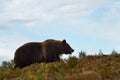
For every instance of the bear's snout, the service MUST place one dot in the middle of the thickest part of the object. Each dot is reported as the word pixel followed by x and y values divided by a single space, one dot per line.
pixel 72 50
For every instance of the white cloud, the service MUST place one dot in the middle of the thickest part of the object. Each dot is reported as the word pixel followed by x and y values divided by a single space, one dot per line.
pixel 8 45
pixel 22 10
pixel 32 13
pixel 48 11
pixel 108 32
pixel 18 4
pixel 113 15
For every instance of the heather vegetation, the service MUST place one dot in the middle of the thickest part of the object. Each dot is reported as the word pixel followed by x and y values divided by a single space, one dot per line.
pixel 84 67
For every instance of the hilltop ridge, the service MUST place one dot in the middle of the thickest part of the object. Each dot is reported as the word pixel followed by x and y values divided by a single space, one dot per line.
pixel 91 67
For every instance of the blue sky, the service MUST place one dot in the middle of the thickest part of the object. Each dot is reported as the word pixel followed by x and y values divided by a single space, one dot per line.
pixel 89 25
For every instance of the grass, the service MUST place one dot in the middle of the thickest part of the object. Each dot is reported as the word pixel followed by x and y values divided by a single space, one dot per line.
pixel 86 68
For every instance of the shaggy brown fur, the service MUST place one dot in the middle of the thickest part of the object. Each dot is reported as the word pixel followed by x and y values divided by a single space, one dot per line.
pixel 36 52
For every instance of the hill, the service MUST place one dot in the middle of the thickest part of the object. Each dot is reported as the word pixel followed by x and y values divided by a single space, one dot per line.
pixel 97 67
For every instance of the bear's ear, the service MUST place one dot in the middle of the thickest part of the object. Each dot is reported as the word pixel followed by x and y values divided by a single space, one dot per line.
pixel 64 41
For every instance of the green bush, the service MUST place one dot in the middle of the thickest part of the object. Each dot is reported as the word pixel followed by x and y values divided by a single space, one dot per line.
pixel 72 61
pixel 82 54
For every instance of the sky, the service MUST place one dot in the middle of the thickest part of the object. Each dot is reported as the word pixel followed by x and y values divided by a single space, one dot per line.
pixel 88 25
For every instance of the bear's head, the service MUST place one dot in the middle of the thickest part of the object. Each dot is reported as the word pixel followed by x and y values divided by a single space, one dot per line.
pixel 66 48
pixel 60 47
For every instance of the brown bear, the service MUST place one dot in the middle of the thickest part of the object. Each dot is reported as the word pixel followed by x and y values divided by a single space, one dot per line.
pixel 37 52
